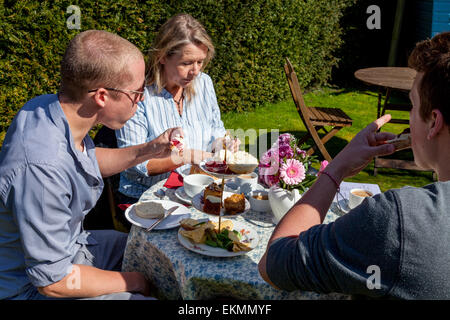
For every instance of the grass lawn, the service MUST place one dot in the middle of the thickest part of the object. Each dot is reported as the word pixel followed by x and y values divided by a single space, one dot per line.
pixel 360 105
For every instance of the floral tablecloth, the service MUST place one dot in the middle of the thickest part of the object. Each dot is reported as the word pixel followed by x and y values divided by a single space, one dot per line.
pixel 181 274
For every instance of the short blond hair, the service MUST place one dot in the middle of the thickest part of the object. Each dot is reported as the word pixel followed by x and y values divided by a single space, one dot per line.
pixel 175 33
pixel 94 59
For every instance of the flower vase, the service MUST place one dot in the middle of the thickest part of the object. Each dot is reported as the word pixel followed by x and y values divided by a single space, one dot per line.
pixel 281 201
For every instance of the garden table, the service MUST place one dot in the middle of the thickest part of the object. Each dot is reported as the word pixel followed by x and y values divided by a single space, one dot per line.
pixel 389 79
pixel 181 274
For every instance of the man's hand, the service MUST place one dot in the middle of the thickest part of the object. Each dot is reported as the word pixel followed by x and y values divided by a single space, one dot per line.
pixel 366 145
pixel 160 147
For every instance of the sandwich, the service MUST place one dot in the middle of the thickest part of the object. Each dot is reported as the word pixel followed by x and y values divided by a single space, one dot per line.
pixel 402 141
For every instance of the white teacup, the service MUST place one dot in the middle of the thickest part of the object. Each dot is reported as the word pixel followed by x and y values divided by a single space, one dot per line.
pixel 356 196
pixel 251 178
pixel 259 201
pixel 196 183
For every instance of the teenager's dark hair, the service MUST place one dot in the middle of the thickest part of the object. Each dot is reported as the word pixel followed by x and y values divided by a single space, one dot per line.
pixel 432 57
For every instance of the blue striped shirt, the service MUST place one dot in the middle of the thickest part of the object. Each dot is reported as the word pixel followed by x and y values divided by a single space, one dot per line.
pixel 158 112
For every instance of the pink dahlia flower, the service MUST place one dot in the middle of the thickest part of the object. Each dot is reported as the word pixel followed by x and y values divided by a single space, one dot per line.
pixel 292 172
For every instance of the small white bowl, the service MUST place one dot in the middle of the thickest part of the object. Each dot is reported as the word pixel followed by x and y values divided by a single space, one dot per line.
pixel 257 204
pixel 195 183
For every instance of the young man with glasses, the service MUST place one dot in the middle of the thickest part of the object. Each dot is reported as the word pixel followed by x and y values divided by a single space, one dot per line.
pixel 51 177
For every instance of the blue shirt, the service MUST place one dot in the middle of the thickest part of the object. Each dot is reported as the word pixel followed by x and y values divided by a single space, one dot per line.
pixel 47 187
pixel 158 112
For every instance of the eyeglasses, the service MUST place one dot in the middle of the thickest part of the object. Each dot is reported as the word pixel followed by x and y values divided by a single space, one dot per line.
pixel 137 97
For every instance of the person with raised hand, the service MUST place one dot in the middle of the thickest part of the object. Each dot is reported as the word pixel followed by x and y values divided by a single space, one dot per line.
pixel 402 234
pixel 51 177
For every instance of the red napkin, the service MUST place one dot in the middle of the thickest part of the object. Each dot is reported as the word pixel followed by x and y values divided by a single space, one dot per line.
pixel 124 206
pixel 175 180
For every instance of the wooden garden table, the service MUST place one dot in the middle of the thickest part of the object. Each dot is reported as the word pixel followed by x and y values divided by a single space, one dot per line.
pixel 388 78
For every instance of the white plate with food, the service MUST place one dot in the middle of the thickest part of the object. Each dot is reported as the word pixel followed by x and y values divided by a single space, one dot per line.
pixel 242 239
pixel 220 169
pixel 144 214
pixel 198 202
pixel 182 195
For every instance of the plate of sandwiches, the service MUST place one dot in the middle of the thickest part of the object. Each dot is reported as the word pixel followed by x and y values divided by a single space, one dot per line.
pixel 204 237
pixel 209 201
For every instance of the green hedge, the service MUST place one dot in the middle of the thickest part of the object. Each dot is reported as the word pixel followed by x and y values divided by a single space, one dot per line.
pixel 251 39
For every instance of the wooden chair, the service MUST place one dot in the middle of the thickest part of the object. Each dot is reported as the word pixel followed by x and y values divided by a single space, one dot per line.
pixel 315 118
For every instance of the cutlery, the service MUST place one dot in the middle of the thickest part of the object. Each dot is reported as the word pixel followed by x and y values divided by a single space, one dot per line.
pixel 169 212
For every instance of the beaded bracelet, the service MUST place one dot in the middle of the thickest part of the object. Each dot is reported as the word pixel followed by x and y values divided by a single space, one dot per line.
pixel 338 189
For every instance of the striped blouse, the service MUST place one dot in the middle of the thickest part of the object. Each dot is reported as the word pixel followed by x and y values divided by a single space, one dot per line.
pixel 158 112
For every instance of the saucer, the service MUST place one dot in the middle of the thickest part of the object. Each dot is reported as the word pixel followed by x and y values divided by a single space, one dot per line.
pixel 342 206
pixel 182 195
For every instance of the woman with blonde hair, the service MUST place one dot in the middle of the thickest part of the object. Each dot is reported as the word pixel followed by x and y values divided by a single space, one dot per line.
pixel 177 94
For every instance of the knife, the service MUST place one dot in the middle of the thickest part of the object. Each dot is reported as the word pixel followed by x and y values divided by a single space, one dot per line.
pixel 169 212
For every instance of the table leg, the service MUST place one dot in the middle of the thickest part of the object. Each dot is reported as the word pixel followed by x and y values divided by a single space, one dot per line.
pixel 380 93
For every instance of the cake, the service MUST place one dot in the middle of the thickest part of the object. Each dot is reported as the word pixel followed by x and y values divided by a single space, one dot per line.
pixel 212 197
pixel 235 203
pixel 149 210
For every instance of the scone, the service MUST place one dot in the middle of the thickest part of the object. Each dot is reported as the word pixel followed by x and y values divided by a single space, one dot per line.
pixel 177 144
pixel 235 204
pixel 242 162
pixel 149 210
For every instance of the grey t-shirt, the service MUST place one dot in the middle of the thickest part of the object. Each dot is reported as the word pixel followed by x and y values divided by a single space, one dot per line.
pixel 394 245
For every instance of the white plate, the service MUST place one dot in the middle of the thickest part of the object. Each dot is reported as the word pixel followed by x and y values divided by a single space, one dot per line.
pixel 182 195
pixel 198 204
pixel 249 236
pixel 170 222
pixel 215 174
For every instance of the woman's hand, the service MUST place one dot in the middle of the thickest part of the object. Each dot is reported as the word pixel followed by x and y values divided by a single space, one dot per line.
pixel 366 145
pixel 231 144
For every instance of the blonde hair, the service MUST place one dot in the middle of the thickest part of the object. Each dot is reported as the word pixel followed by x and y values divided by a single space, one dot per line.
pixel 175 33
pixel 94 59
